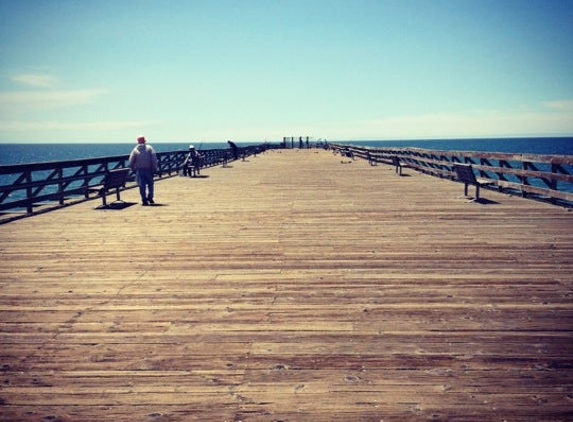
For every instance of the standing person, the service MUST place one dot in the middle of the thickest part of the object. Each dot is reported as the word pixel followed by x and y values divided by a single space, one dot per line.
pixel 234 149
pixel 143 162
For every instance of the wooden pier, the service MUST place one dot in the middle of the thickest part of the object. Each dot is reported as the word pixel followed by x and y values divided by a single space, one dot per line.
pixel 294 286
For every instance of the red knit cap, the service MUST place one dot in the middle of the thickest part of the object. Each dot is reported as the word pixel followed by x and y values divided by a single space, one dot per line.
pixel 141 140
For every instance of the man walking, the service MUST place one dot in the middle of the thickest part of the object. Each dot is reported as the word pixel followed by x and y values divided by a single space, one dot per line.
pixel 143 162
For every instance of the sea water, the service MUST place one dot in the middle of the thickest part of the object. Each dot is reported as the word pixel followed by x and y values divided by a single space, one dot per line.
pixel 14 153
pixel 550 146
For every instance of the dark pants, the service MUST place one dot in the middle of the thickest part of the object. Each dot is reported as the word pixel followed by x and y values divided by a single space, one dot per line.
pixel 145 182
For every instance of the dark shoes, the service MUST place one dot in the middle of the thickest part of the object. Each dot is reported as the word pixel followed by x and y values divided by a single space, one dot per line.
pixel 147 201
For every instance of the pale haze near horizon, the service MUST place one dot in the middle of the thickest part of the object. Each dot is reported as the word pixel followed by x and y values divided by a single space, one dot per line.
pixel 212 70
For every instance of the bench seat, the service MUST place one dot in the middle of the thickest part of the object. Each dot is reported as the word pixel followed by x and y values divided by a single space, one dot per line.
pixel 114 179
pixel 465 174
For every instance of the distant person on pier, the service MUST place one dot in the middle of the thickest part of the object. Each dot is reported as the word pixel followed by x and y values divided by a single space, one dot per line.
pixel 192 164
pixel 143 162
pixel 234 150
pixel 347 153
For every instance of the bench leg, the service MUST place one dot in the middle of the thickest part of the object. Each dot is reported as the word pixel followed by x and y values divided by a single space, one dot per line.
pixel 477 192
pixel 465 189
pixel 117 193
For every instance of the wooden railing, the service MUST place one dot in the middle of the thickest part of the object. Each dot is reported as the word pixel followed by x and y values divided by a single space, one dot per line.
pixel 53 184
pixel 544 177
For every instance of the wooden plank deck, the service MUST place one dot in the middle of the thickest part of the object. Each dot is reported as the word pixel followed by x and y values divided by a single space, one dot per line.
pixel 290 287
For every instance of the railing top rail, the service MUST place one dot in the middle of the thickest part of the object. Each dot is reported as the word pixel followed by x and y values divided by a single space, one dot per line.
pixel 47 165
pixel 505 156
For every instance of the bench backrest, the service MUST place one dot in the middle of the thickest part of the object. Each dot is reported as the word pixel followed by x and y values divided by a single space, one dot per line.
pixel 116 178
pixel 465 173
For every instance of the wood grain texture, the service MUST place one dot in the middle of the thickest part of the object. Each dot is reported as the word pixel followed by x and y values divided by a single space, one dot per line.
pixel 290 287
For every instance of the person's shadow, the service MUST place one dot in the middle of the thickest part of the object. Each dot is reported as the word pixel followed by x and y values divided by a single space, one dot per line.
pixel 116 205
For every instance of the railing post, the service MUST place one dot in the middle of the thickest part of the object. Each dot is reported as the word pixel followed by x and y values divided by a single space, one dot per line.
pixel 29 203
pixel 60 172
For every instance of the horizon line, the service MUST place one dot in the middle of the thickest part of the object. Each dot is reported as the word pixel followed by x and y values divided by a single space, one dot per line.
pixel 311 138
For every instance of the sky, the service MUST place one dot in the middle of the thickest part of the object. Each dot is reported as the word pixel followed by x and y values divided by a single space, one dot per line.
pixel 260 70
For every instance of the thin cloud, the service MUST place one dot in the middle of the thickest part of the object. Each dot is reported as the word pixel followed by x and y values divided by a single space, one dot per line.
pixel 563 105
pixel 37 80
pixel 487 123
pixel 52 99
pixel 42 126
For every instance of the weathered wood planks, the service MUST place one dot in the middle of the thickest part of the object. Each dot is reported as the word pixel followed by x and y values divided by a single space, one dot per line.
pixel 290 287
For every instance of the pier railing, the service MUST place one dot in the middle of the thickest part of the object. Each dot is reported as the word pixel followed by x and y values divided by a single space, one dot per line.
pixel 49 184
pixel 543 177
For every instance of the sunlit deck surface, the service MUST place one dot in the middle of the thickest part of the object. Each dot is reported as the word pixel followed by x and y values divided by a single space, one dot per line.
pixel 290 287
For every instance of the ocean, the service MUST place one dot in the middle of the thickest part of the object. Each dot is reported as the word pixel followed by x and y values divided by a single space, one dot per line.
pixel 15 153
pixel 35 153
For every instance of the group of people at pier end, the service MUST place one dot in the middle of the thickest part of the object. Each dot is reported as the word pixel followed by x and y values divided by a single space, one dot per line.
pixel 143 162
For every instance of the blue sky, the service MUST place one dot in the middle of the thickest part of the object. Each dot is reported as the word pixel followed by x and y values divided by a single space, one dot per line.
pixel 254 70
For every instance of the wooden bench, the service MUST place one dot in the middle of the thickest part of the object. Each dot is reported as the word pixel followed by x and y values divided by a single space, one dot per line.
pixel 465 174
pixel 114 179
